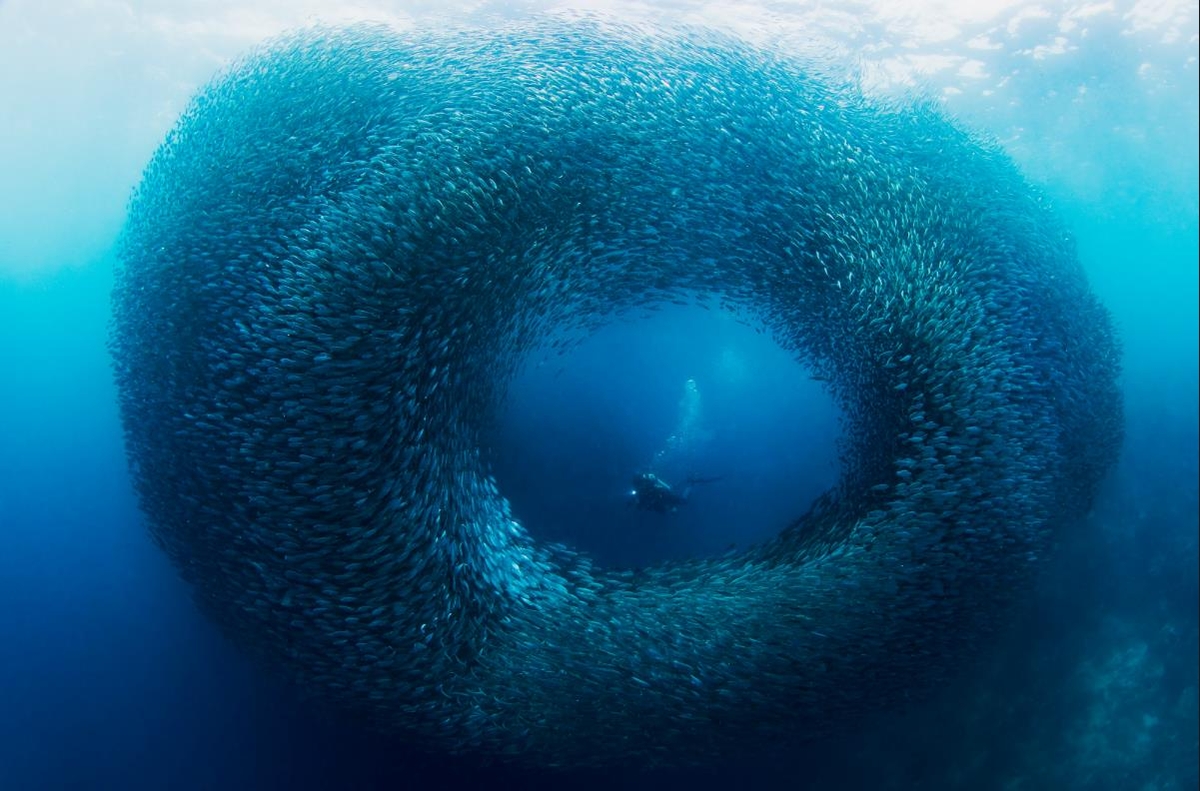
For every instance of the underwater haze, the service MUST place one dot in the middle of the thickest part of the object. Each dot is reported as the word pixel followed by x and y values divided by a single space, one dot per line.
pixel 116 673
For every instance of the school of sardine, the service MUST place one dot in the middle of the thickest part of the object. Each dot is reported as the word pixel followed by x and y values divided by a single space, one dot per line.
pixel 353 237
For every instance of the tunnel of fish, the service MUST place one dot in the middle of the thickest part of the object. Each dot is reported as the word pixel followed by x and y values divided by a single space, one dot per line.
pixel 351 239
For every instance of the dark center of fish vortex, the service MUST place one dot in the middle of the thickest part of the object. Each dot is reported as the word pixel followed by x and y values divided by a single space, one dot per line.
pixel 691 392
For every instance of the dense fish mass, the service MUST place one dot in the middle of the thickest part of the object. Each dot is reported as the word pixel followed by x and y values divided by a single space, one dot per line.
pixel 351 239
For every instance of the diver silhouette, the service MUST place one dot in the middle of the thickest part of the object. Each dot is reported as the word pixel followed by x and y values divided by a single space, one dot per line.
pixel 651 493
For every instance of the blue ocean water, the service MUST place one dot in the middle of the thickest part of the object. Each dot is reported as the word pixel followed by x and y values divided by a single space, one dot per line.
pixel 679 391
pixel 110 678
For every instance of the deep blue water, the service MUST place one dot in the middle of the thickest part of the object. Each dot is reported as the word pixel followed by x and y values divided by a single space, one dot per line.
pixel 575 428
pixel 109 678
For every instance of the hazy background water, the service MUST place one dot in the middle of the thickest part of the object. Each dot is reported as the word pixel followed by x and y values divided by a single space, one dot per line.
pixel 110 679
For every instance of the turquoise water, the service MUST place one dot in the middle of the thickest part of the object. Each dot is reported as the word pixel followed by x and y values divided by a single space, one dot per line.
pixel 111 679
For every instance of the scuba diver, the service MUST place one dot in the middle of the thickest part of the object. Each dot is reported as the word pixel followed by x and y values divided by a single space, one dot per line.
pixel 651 493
